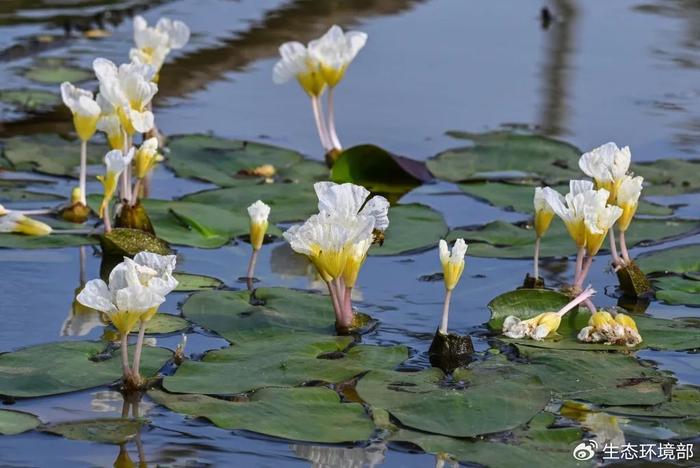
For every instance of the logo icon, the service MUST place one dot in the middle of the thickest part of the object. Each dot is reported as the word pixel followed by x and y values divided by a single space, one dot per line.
pixel 585 450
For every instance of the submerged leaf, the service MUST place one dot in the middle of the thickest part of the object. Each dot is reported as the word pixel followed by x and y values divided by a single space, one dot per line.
pixel 102 430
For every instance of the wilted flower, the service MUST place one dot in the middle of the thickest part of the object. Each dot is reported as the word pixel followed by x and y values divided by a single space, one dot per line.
pixel 129 89
pixel 116 163
pixel 14 221
pixel 85 109
pixel 607 164
pixel 258 213
pixel 153 44
pixel 604 328
pixel 628 199
pixel 335 50
pixel 146 157
pixel 542 325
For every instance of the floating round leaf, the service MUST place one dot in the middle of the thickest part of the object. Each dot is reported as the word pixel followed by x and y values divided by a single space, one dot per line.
pixel 188 282
pixel 412 227
pixel 16 422
pixel 311 414
pixel 677 290
pixel 681 259
pixel 57 74
pixel 29 100
pixel 484 399
pixel 55 368
pixel 220 161
pixel 507 155
pixel 285 360
pixel 50 154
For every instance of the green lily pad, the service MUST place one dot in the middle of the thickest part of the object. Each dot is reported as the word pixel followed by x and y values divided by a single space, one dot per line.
pixel 378 170
pixel 197 225
pixel 499 239
pixel 533 445
pixel 597 377
pixel 17 195
pixel 57 74
pixel 29 100
pixel 312 414
pixel 507 155
pixel 682 259
pixel 102 430
pixel 413 227
pixel 518 197
pixel 50 154
pixel 287 360
pixel 288 201
pixel 676 290
pixel 669 176
pixel 53 241
pixel 484 399
pixel 55 368
pixel 685 401
pixel 16 422
pixel 657 333
pixel 188 282
pixel 219 161
pixel 661 429
pixel 163 324
pixel 285 312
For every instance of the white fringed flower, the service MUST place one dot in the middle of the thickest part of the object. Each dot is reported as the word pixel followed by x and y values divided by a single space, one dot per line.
pixel 628 199
pixel 129 89
pixel 598 220
pixel 452 262
pixel 607 164
pixel 258 213
pixel 326 240
pixel 85 110
pixel 543 212
pixel 115 163
pixel 335 50
pixel 297 63
pixel 123 306
pixel 146 157
pixel 346 200
pixel 572 207
pixel 153 44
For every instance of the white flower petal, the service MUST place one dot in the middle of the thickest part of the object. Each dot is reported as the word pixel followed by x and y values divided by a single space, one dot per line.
pixel 97 295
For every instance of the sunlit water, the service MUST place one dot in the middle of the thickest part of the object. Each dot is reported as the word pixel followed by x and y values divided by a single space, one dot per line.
pixel 621 70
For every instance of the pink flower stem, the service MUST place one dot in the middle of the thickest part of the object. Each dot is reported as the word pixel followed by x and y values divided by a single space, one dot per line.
pixel 83 172
pixel 613 247
pixel 584 296
pixel 579 264
pixel 623 248
pixel 445 311
pixel 320 124
pixel 336 303
pixel 331 122
pixel 536 269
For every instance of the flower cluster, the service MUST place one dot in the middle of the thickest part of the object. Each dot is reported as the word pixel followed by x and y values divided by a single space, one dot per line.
pixel 319 65
pixel 591 209
pixel 543 325
pixel 337 239
pixel 123 108
pixel 604 328
pixel 132 295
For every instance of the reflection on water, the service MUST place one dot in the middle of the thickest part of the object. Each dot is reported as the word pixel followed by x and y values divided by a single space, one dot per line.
pixel 340 457
pixel 556 72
